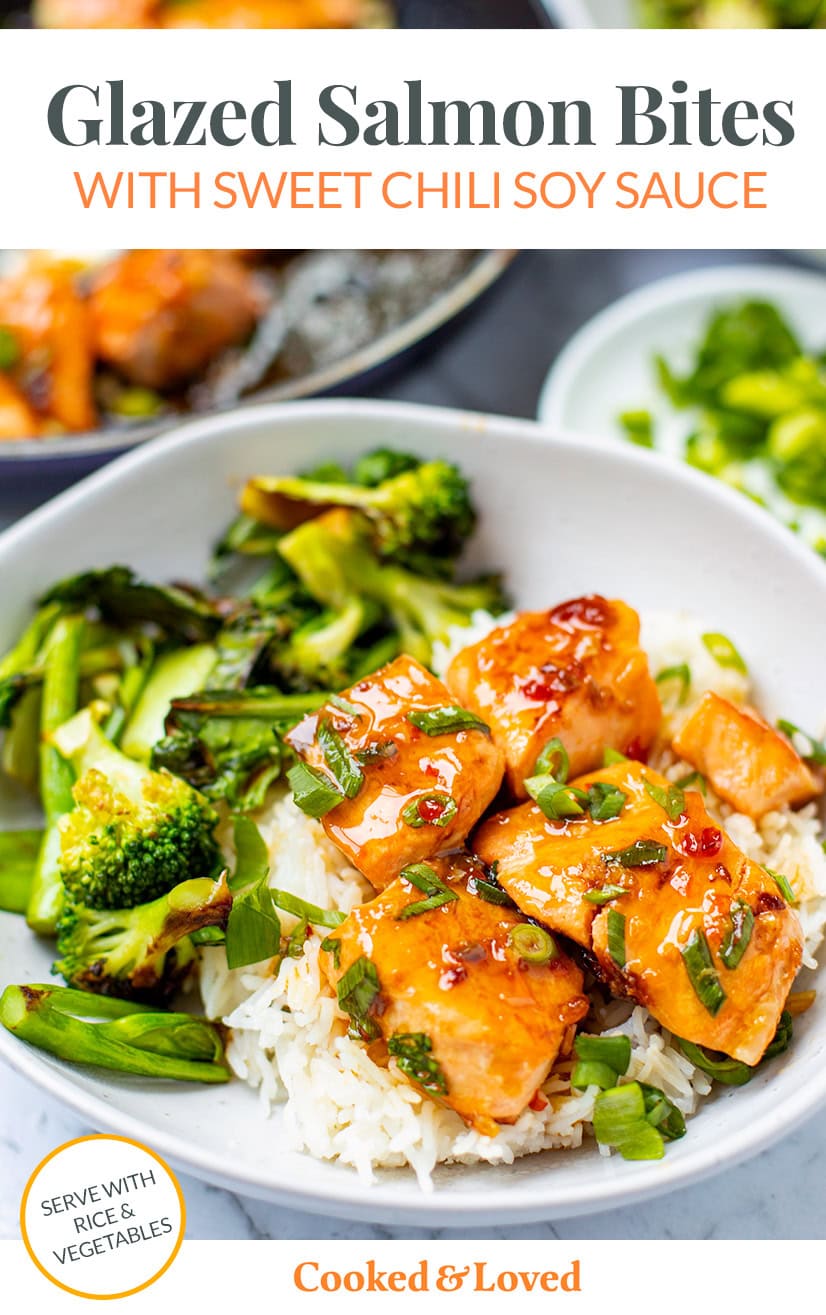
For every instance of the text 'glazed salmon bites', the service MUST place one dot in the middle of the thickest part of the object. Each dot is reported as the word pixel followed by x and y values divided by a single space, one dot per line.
pixel 472 1002
pixel 576 673
pixel 407 772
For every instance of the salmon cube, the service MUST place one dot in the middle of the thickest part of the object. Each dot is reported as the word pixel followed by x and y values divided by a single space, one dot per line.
pixel 754 767
pixel 677 917
pixel 480 1025
pixel 426 779
pixel 576 673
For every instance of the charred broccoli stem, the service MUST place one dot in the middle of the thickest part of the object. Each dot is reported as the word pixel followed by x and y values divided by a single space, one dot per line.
pixel 422 507
pixel 134 833
pixel 114 1034
pixel 119 596
pixel 336 547
pixel 141 952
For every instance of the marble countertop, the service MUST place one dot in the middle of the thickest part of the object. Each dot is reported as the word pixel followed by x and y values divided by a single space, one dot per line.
pixel 494 361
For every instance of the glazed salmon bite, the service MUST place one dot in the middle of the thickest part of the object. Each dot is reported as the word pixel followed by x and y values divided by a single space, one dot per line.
pixel 575 672
pixel 677 917
pixel 453 974
pixel 428 769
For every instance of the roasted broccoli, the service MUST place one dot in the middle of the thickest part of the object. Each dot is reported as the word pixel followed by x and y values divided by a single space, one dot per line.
pixel 422 609
pixel 227 744
pixel 142 952
pixel 134 833
pixel 119 596
pixel 424 508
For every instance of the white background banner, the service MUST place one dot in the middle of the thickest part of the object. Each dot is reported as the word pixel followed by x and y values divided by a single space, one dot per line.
pixel 489 1276
pixel 675 193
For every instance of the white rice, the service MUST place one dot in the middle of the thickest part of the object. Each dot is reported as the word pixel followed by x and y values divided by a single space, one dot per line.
pixel 289 1038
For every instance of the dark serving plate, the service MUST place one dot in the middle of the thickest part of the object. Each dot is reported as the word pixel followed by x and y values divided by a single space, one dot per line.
pixel 358 311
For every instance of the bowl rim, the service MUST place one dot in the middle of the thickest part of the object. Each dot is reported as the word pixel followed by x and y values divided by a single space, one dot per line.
pixel 672 290
pixel 350 1198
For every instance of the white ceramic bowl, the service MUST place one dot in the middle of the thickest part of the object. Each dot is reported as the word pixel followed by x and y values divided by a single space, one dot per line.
pixel 560 518
pixel 607 366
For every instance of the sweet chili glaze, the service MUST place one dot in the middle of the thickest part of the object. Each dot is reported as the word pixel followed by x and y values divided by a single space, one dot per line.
pixel 547 867
pixel 751 765
pixel 495 1022
pixel 576 671
pixel 403 768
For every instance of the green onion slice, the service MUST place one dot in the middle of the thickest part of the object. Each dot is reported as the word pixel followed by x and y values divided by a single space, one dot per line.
pixel 604 894
pixel 311 913
pixel 296 939
pixel 314 793
pixel 615 928
pixel 723 651
pixel 671 800
pixel 553 798
pixel 737 938
pixel 642 854
pixel 489 889
pixel 357 990
pixel 252 859
pixel 614 1051
pixel 592 1073
pixel 620 1120
pixel 611 756
pixel 345 770
pixel 9 348
pixel 680 675
pixel 816 751
pixel 605 801
pixel 731 1072
pixel 662 1113
pixel 253 928
pixel 378 752
pixel 443 808
pixel 533 944
pixel 412 1052
pixel 423 877
pixel 332 945
pixel 692 780
pixel 343 706
pixel 446 721
pixel 553 761
pixel 783 885
pixel 702 973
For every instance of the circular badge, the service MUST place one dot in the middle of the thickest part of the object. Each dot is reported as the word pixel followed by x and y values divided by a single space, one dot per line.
pixel 102 1217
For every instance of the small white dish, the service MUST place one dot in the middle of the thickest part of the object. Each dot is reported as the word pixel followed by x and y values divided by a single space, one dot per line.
pixel 560 518
pixel 607 367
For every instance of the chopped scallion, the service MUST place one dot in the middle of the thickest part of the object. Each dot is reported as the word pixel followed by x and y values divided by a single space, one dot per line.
pixel 433 809
pixel 446 721
pixel 611 756
pixel 343 767
pixel 816 750
pixel 412 1052
pixel 314 793
pixel 253 928
pixel 604 894
pixel 737 938
pixel 615 929
pixel 605 801
pixel 679 675
pixel 423 877
pixel 702 974
pixel 731 1072
pixel 357 991
pixel 783 885
pixel 723 651
pixel 300 908
pixel 553 761
pixel 612 1050
pixel 671 800
pixel 533 944
pixel 620 1121
pixel 592 1073
pixel 642 854
pixel 555 799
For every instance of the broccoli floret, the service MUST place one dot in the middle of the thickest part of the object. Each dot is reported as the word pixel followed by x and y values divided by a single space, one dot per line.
pixel 140 953
pixel 425 509
pixel 134 833
pixel 422 610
